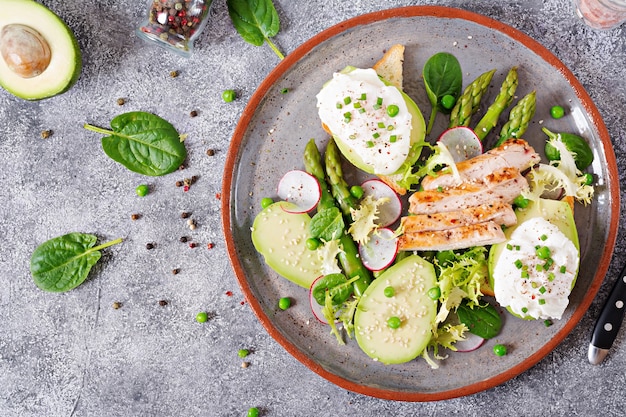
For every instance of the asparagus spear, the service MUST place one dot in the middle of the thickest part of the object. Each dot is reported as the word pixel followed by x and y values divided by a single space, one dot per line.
pixel 349 257
pixel 501 102
pixel 519 118
pixel 338 186
pixel 468 103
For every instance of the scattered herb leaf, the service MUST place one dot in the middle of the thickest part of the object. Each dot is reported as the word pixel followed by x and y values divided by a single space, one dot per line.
pixel 63 263
pixel 256 21
pixel 143 143
pixel 481 320
pixel 442 78
pixel 327 224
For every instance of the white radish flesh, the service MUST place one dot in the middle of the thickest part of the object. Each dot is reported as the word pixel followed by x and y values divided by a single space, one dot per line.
pixel 462 143
pixel 301 189
pixel 380 251
pixel 390 211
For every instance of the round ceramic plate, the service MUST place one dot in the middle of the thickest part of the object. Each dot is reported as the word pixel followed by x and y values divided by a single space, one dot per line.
pixel 270 138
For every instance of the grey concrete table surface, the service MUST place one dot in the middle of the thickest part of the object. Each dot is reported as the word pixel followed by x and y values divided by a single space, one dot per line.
pixel 73 354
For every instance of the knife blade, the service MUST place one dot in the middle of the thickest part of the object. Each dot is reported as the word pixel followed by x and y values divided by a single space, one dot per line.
pixel 609 322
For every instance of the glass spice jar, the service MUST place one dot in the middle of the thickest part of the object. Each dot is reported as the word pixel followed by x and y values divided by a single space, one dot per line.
pixel 174 24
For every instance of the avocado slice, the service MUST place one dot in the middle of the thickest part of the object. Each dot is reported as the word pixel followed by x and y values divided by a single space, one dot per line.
pixel 557 212
pixel 281 238
pixel 410 306
pixel 39 54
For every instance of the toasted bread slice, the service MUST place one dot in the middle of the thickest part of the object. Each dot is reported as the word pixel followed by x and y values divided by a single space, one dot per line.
pixel 390 65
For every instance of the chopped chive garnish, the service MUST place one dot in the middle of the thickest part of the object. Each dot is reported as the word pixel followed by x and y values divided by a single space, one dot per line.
pixel 542 290
pixel 543 237
pixel 363 96
pixel 357 105
pixel 369 144
pixel 525 274
pixel 376 135
pixel 393 138
pixel 376 106
pixel 390 128
pixel 518 264
pixel 563 269
pixel 534 285
pixel 541 301
pixel 547 323
pixel 509 246
pixel 381 125
pixel 539 267
pixel 379 101
pixel 361 110
pixel 524 310
pixel 339 105
pixel 517 247
pixel 548 264
pixel 551 276
pixel 347 100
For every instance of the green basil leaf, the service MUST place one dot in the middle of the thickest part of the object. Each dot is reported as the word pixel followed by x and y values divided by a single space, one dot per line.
pixel 63 263
pixel 481 320
pixel 256 21
pixel 143 143
pixel 327 224
pixel 442 76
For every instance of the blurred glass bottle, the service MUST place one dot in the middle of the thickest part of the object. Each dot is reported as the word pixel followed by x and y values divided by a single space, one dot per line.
pixel 601 14
pixel 174 24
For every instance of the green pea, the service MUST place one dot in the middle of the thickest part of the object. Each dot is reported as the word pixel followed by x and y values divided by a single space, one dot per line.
pixel 313 243
pixel 448 101
pixel 434 293
pixel 202 317
pixel 266 202
pixel 284 303
pixel 499 350
pixel 356 191
pixel 229 95
pixel 521 202
pixel 242 353
pixel 142 190
pixel 393 110
pixel 389 292
pixel 588 178
pixel 557 112
pixel 394 322
pixel 253 412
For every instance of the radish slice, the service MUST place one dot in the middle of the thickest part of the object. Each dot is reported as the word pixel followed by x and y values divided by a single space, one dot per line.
pixel 471 342
pixel 380 251
pixel 389 212
pixel 462 143
pixel 301 189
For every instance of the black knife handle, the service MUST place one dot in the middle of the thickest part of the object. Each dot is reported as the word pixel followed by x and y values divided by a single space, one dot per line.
pixel 612 315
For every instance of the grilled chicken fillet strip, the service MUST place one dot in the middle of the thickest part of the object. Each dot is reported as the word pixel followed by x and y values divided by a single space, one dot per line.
pixel 502 186
pixel 498 212
pixel 514 153
pixel 481 234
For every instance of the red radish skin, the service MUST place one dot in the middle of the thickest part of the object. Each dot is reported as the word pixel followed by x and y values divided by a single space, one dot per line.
pixel 471 343
pixel 315 307
pixel 300 188
pixel 391 211
pixel 462 143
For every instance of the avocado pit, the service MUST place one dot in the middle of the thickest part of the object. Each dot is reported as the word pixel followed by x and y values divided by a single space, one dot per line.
pixel 24 50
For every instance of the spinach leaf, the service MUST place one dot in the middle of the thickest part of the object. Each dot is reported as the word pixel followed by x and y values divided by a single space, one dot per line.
pixel 482 320
pixel 143 143
pixel 256 21
pixel 63 263
pixel 327 224
pixel 442 77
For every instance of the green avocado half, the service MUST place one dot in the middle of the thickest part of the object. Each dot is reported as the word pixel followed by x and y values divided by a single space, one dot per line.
pixel 39 54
